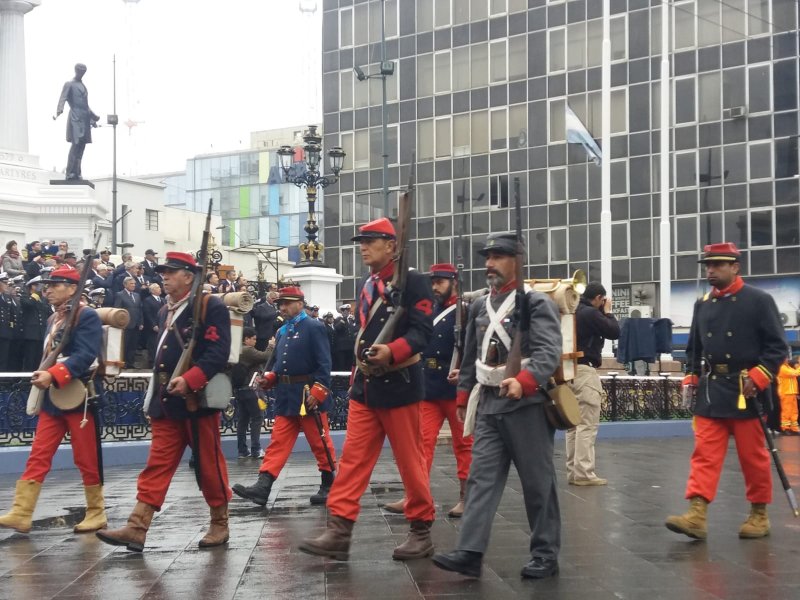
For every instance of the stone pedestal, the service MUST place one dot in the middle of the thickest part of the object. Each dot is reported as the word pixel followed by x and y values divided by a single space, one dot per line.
pixel 33 209
pixel 13 83
pixel 318 285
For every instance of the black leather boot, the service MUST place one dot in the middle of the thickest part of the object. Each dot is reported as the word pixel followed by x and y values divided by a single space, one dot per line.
pixel 258 493
pixel 321 497
pixel 460 561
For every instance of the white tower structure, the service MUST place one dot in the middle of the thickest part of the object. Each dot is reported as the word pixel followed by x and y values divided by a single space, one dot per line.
pixel 13 83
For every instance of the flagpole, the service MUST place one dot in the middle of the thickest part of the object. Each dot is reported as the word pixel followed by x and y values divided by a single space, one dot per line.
pixel 605 165
pixel 665 234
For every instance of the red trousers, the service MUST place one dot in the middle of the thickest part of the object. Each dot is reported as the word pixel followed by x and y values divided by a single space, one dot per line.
pixel 50 432
pixel 710 446
pixel 366 430
pixel 284 435
pixel 434 412
pixel 170 438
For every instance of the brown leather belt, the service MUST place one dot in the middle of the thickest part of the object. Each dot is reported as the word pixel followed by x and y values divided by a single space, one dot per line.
pixel 378 370
pixel 290 379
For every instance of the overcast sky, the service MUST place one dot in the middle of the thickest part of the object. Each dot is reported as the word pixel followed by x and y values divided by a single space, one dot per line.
pixel 198 75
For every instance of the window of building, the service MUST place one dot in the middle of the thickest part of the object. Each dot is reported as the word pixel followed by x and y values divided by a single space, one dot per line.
pixel 499 128
pixel 618 34
pixel 442 72
pixel 708 24
pixel 391 18
pixel 346 90
pixel 517 5
pixel 709 103
pixel 498 191
pixel 346 211
pixel 685 169
pixel 362 208
pixel 443 137
pixel 594 43
pixel 480 65
pixel 480 132
pixel 461 126
pixel 151 220
pixel 425 137
pixel 733 21
pixel 517 57
pixel 685 100
pixel 557 191
pixel 461 69
pixel 425 75
pixel 619 240
pixel 442 13
pixel 556 48
pixel 686 234
pixel 759 79
pixel 360 94
pixel 683 19
pixel 346 27
pixel 347 261
pixel 558 245
pixel 346 142
pixel 478 9
pixel 761 227
pixel 497 7
pixel 497 61
pixel 557 120
pixel 460 12
pixel 518 126
pixel 619 110
pixel 760 160
pixel 361 149
pixel 444 198
pixel 619 177
pixel 361 31
pixel 424 15
pixel 758 17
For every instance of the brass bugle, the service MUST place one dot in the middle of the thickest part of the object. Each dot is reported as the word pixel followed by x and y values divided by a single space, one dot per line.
pixel 578 283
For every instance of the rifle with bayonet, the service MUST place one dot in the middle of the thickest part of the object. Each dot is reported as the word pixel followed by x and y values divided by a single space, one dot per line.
pixel 394 290
pixel 521 316
pixel 36 395
pixel 196 298
pixel 458 347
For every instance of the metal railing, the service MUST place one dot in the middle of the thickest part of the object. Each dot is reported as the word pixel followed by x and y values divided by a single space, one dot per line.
pixel 624 399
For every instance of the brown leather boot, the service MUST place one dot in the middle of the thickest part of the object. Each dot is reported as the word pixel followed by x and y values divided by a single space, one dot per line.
pixel 757 523
pixel 133 535
pixel 95 517
pixel 458 510
pixel 217 533
pixel 693 521
pixel 334 541
pixel 396 508
pixel 418 544
pixel 20 517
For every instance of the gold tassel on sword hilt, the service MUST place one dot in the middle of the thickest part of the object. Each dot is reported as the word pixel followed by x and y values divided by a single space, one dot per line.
pixel 742 400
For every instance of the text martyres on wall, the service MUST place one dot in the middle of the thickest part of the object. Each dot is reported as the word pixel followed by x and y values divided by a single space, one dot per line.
pixel 621 301
pixel 17 173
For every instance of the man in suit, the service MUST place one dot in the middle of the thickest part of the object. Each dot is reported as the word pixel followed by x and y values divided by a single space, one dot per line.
pixel 265 320
pixel 148 267
pixel 132 302
pixel 150 307
pixel 105 256
pixel 126 269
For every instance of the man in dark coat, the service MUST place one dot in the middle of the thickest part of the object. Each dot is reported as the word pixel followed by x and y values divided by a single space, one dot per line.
pixel 343 339
pixel 300 372
pixel 81 120
pixel 35 312
pixel 151 305
pixel 6 322
pixel 385 398
pixel 736 346
pixel 265 320
pixel 177 418
pixel 130 300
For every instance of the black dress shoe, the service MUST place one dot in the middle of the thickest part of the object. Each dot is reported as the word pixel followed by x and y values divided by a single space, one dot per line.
pixel 539 568
pixel 460 561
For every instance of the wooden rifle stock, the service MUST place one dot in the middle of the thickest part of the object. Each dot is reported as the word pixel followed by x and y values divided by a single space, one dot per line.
pixel 521 318
pixel 185 360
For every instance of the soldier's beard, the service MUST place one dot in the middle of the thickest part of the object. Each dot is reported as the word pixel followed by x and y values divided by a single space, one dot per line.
pixel 495 280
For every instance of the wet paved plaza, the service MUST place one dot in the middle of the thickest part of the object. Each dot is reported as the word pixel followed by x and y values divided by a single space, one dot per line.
pixel 614 542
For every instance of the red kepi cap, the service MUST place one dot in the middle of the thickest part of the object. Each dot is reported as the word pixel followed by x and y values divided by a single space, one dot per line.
pixel 444 270
pixel 726 251
pixel 379 228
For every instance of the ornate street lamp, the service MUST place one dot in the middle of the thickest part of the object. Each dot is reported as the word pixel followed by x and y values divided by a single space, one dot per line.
pixel 311 249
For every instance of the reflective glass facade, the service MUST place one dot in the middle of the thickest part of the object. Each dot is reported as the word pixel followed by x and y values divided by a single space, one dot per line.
pixel 480 90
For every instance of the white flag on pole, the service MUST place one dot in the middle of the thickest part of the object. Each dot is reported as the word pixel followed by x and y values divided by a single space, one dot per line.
pixel 578 134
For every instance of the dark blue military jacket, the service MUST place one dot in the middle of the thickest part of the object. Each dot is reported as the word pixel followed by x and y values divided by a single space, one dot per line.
pixel 734 332
pixel 411 336
pixel 210 356
pixel 302 351
pixel 437 356
pixel 81 351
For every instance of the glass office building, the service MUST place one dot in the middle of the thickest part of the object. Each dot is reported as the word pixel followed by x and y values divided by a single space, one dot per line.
pixel 480 91
pixel 248 193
